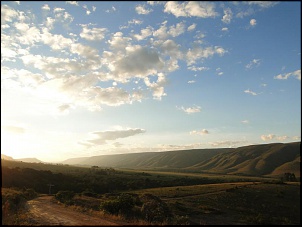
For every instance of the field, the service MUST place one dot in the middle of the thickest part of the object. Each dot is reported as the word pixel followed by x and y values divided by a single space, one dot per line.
pixel 151 197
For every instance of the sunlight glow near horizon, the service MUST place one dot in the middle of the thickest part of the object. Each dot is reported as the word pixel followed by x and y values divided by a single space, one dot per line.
pixel 91 78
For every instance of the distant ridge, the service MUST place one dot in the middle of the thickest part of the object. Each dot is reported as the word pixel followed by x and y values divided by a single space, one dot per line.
pixel 3 156
pixel 33 160
pixel 256 160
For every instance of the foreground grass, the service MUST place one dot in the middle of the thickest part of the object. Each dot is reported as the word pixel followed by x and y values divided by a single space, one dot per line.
pixel 234 203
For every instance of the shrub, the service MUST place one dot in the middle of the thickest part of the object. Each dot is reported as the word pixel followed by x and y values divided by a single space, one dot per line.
pixel 122 205
pixel 65 197
pixel 154 210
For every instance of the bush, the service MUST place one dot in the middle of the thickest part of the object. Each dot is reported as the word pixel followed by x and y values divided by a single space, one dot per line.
pixel 122 205
pixel 65 197
pixel 154 210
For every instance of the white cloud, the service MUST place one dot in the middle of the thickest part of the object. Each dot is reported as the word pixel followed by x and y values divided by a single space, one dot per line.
pixel 7 14
pixel 57 9
pixel 268 137
pixel 224 29
pixel 191 81
pixel 297 138
pixel 138 62
pixel 146 32
pixel 191 8
pixel 102 137
pixel 45 7
pixel 94 34
pixel 194 68
pixel 157 87
pixel 197 53
pixel 72 3
pixel 282 138
pixel 202 132
pixel 227 17
pixel 118 42
pixel 140 9
pixel 177 30
pixel 227 143
pixel 152 3
pixel 113 9
pixel 190 110
pixel 262 4
pixel 87 10
pixel 285 76
pixel 253 63
pixel 245 122
pixel 253 22
pixel 161 33
pixel 191 27
pixel 248 91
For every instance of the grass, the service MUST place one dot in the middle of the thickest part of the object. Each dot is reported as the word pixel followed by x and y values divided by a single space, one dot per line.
pixel 234 203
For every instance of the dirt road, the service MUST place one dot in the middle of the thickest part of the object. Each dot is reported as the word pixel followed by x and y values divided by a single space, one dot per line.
pixel 45 211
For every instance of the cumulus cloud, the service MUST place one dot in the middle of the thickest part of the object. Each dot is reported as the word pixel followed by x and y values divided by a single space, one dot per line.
pixel 225 29
pixel 140 9
pixel 45 7
pixel 191 81
pixel 268 137
pixel 272 136
pixel 202 132
pixel 191 110
pixel 139 61
pixel 94 34
pixel 253 22
pixel 102 137
pixel 177 30
pixel 7 14
pixel 197 53
pixel 146 32
pixel 285 76
pixel 227 17
pixel 191 9
pixel 72 3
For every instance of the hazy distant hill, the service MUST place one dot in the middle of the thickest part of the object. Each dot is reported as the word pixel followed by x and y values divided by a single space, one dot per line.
pixel 264 159
pixel 3 156
pixel 35 160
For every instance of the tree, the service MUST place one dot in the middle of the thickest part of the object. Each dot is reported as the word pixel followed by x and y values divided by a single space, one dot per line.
pixel 289 177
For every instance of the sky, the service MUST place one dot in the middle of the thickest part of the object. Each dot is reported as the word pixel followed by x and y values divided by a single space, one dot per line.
pixel 88 78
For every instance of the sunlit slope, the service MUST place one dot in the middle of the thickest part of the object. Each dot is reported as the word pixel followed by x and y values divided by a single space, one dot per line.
pixel 169 159
pixel 255 160
pixel 266 159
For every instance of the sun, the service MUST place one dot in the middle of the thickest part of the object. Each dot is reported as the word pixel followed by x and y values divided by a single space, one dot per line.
pixel 13 142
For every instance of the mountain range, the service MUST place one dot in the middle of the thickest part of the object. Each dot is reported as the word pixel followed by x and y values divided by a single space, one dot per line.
pixel 255 160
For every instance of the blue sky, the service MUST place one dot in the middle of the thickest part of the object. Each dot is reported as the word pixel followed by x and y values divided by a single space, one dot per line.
pixel 84 78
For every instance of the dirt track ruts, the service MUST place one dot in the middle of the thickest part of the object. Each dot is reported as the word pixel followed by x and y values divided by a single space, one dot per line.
pixel 45 211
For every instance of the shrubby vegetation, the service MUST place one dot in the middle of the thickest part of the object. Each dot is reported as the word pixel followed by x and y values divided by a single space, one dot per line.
pixel 147 197
pixel 13 202
pixel 91 181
